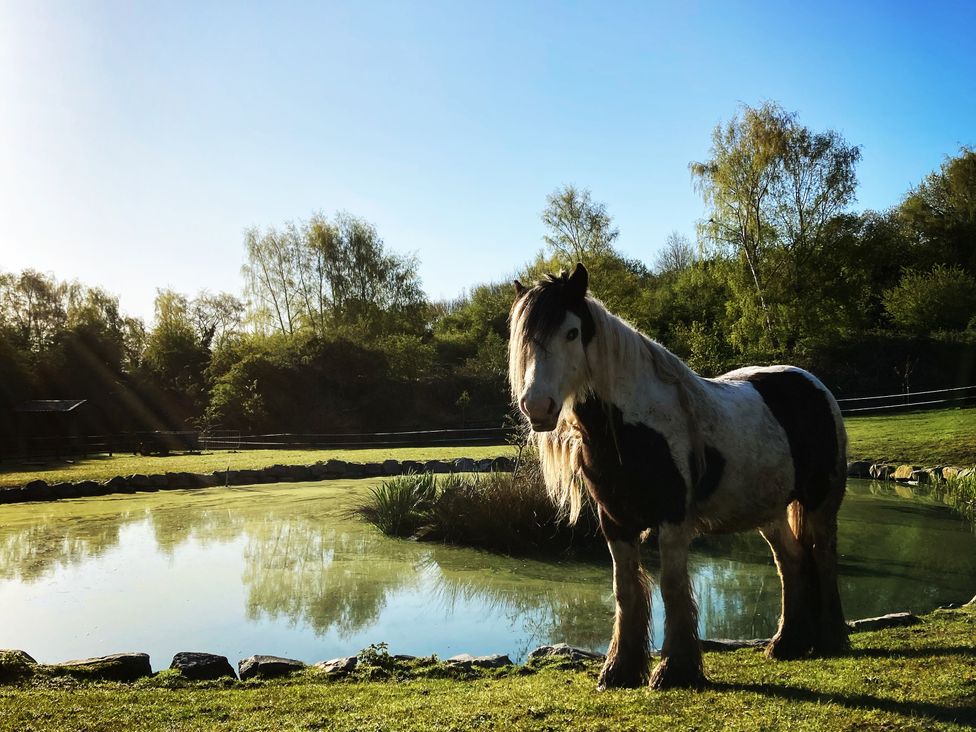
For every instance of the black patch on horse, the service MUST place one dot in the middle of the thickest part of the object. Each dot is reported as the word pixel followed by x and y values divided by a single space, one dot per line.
pixel 707 484
pixel 629 471
pixel 548 302
pixel 804 414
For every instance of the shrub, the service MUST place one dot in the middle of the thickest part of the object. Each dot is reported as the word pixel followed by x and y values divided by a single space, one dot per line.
pixel 942 299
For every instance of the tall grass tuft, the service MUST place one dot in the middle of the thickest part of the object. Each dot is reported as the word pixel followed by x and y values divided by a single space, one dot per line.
pixel 503 512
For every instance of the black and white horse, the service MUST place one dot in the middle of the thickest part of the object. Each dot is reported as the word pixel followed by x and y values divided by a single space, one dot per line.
pixel 618 416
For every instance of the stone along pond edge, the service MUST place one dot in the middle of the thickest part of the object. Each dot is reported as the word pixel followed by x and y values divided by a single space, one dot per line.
pixel 41 490
pixel 17 666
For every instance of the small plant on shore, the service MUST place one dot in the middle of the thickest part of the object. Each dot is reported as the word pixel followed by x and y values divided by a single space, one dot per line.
pixel 504 512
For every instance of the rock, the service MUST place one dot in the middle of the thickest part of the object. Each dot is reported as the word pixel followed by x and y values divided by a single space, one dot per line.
pixel 140 482
pixel 881 471
pixel 563 651
pixel 373 470
pixel 179 480
pixel 118 484
pixel 971 603
pixel 336 468
pixel 354 470
pixel 921 477
pixel 9 495
pixel 15 666
pixel 249 477
pixel 464 465
pixel 503 464
pixel 859 469
pixel 720 645
pixel 64 490
pixel 935 474
pixel 267 667
pixel 157 480
pixel 117 667
pixel 206 480
pixel 392 467
pixel 466 662
pixel 338 666
pixel 90 488
pixel 891 620
pixel 410 467
pixel 436 466
pixel 904 472
pixel 485 466
pixel 966 473
pixel 202 666
pixel 36 490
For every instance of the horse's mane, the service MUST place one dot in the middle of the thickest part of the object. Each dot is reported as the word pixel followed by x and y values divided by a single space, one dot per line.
pixel 621 353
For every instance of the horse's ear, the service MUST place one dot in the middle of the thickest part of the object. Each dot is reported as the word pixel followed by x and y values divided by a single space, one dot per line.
pixel 519 288
pixel 578 282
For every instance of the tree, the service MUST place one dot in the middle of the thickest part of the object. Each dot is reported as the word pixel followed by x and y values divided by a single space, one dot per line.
pixel 942 299
pixel 941 214
pixel 772 187
pixel 577 227
pixel 216 317
pixel 175 353
pixel 677 254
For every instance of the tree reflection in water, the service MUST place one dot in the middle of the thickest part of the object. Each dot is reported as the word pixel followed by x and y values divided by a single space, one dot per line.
pixel 305 563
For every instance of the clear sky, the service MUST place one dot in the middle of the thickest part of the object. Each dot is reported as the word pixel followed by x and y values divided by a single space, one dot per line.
pixel 139 140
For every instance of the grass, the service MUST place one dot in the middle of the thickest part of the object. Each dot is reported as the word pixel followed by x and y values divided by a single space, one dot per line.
pixel 936 437
pixel 501 512
pixel 103 467
pixel 920 677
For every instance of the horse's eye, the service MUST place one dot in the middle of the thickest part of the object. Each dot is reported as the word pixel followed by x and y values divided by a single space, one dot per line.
pixel 571 336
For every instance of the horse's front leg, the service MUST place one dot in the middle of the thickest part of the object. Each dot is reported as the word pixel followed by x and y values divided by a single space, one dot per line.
pixel 681 660
pixel 629 652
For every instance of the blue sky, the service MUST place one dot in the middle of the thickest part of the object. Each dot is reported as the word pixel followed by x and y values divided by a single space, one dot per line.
pixel 139 140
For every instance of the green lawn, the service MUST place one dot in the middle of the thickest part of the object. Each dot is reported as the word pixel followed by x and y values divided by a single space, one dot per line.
pixel 921 677
pixel 937 437
pixel 103 467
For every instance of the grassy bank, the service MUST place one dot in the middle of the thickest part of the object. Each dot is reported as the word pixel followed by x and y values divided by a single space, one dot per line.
pixel 921 677
pixel 103 467
pixel 937 437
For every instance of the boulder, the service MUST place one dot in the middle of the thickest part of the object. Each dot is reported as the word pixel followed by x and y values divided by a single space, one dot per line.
pixel 891 620
pixel 563 651
pixel 267 667
pixel 966 473
pixel 90 488
pixel 503 464
pixel 392 467
pixel 722 645
pixel 921 477
pixel 904 472
pixel 464 465
pixel 373 470
pixel 409 467
pixel 36 490
pixel 64 490
pixel 338 666
pixel 9 495
pixel 140 482
pixel 249 477
pixel 206 480
pixel 486 465
pixel 15 666
pixel 859 469
pixel 466 662
pixel 354 470
pixel 118 484
pixel 202 666
pixel 116 667
pixel 436 466
pixel 179 480
pixel 335 469
pixel 881 471
pixel 157 480
pixel 972 603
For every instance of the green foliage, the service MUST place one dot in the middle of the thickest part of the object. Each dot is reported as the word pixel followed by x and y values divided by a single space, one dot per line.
pixel 578 227
pixel 941 299
pixel 401 505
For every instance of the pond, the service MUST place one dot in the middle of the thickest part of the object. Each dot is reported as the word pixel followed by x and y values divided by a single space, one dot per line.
pixel 284 570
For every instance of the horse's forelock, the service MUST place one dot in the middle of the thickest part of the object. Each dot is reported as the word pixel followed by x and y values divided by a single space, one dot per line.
pixel 543 308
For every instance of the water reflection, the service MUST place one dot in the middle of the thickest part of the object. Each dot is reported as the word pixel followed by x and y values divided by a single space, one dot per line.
pixel 287 565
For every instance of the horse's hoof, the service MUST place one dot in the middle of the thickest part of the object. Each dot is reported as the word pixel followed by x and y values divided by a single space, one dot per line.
pixel 787 648
pixel 621 678
pixel 671 675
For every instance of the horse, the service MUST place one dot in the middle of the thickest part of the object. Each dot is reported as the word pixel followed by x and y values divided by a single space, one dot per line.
pixel 623 424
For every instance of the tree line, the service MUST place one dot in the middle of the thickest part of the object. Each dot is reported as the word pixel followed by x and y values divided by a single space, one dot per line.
pixel 333 331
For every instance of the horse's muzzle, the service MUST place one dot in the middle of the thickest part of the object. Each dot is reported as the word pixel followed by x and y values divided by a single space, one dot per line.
pixel 542 413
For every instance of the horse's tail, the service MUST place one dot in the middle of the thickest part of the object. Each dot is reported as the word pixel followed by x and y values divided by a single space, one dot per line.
pixel 797 519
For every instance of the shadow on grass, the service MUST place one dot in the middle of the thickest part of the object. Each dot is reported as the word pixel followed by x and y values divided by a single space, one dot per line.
pixel 912 709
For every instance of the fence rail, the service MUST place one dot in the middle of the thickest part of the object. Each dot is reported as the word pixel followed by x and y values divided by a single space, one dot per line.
pixel 908 401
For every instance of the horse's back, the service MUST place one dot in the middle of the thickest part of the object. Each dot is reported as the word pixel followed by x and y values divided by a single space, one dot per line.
pixel 808 414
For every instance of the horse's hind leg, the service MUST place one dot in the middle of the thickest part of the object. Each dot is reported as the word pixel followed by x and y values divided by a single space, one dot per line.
pixel 797 631
pixel 681 660
pixel 819 535
pixel 629 653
